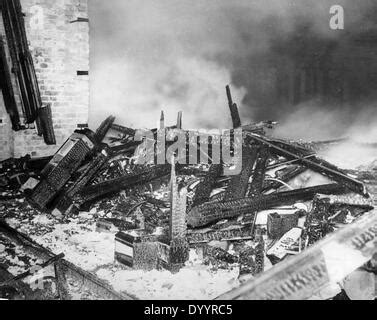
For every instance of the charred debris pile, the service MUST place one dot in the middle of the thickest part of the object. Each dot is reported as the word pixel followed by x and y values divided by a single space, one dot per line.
pixel 269 211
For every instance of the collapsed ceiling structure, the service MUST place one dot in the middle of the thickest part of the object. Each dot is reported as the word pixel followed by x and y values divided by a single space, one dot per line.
pixel 285 223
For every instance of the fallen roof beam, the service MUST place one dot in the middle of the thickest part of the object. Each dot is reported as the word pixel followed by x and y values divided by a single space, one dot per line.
pixel 236 119
pixel 124 130
pixel 236 234
pixel 66 199
pixel 259 174
pixel 213 212
pixel 317 165
pixel 101 190
pixel 104 128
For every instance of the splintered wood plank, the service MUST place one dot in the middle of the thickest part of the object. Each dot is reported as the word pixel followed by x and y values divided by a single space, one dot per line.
pixel 61 281
pixel 238 184
pixel 313 163
pixel 236 119
pixel 204 189
pixel 328 262
pixel 259 173
pixel 212 212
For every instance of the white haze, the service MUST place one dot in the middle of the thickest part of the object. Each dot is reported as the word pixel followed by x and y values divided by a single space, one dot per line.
pixel 178 55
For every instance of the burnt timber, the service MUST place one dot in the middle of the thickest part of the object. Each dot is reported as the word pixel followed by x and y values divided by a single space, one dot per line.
pixel 112 187
pixel 239 184
pixel 213 212
pixel 314 163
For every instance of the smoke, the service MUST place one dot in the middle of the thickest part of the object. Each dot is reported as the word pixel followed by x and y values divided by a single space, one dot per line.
pixel 148 56
pixel 352 155
pixel 360 150
pixel 314 121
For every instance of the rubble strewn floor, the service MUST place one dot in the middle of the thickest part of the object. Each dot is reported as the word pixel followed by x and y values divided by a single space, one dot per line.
pixel 94 252
pixel 171 231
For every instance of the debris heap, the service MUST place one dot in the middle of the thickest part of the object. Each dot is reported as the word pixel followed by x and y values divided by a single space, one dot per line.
pixel 284 200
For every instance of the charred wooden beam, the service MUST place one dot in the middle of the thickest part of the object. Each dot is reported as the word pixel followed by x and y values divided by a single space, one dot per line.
pixel 124 130
pixel 62 166
pixel 61 281
pixel 66 200
pixel 101 190
pixel 315 164
pixel 127 149
pixel 348 200
pixel 318 267
pixel 180 120
pixel 104 128
pixel 236 234
pixel 238 185
pixel 179 247
pixel 259 172
pixel 285 175
pixel 213 212
pixel 178 204
pixel 233 110
pixel 205 187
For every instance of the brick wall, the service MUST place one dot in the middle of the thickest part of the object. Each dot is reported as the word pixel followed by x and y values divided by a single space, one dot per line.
pixel 60 48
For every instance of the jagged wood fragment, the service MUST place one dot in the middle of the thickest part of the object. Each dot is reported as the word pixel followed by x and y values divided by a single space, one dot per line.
pixel 239 233
pixel 92 169
pixel 259 172
pixel 238 184
pixel 204 189
pixel 104 128
pixel 314 163
pixel 114 186
pixel 213 212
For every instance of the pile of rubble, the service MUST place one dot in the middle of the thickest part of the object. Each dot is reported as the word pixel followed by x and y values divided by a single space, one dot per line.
pixel 285 200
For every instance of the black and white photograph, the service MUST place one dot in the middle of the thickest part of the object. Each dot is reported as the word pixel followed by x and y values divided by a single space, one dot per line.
pixel 201 151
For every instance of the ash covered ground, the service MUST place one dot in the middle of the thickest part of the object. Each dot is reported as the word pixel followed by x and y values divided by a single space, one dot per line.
pixel 216 263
